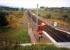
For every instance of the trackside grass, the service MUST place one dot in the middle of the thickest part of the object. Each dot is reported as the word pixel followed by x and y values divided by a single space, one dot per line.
pixel 38 47
pixel 23 36
pixel 15 32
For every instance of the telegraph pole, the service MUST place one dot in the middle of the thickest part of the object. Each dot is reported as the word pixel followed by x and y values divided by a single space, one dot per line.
pixel 37 9
pixel 37 18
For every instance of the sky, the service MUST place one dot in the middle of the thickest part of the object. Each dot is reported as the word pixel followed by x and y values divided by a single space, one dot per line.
pixel 33 3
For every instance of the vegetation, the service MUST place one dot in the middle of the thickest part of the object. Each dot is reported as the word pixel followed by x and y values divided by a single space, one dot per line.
pixel 37 47
pixel 3 20
pixel 5 8
pixel 58 13
pixel 13 29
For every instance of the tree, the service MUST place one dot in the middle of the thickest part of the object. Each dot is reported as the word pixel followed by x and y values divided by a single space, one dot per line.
pixel 42 7
pixel 3 20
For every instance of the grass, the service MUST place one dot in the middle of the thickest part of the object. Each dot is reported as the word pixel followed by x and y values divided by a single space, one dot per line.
pixel 23 36
pixel 14 37
pixel 17 28
pixel 38 47
pixel 16 32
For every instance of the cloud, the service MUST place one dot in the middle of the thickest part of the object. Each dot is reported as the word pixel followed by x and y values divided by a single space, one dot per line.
pixel 33 3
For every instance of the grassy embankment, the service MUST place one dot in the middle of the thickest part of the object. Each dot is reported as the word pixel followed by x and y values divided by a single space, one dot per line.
pixel 38 47
pixel 15 31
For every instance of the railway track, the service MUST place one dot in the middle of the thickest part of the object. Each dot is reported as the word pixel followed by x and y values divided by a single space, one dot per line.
pixel 57 35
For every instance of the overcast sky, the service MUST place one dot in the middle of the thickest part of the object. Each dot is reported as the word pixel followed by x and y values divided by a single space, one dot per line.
pixel 33 3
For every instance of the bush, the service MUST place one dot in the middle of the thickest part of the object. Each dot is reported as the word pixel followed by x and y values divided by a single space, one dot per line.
pixel 3 20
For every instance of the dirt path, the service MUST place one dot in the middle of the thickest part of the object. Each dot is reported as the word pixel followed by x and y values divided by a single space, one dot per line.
pixel 33 39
